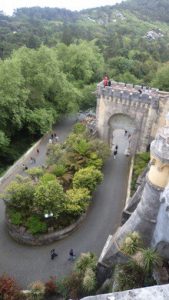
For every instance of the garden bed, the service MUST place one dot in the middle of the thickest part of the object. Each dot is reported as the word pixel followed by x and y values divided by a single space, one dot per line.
pixel 21 235
pixel 51 202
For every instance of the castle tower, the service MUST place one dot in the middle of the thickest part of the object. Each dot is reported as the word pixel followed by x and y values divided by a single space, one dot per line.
pixel 147 217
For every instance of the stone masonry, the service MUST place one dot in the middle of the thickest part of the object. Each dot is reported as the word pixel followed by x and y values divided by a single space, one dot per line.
pixel 122 106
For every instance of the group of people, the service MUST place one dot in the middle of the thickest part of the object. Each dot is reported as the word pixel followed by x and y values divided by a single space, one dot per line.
pixel 32 161
pixel 53 138
pixel 71 257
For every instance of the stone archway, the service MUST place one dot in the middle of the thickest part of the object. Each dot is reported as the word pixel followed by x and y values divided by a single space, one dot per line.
pixel 123 122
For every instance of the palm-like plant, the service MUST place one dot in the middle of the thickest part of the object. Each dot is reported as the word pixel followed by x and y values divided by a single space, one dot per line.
pixel 150 259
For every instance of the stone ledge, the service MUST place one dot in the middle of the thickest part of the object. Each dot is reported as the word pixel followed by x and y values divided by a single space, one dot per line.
pixel 24 237
pixel 158 292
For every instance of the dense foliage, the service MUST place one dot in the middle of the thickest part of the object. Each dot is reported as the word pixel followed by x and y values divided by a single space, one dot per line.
pixel 55 197
pixel 52 59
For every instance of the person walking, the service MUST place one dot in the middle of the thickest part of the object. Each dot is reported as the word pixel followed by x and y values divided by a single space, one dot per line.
pixel 56 138
pixel 53 254
pixel 71 255
pixel 116 148
pixel 33 160
pixel 115 153
pixel 24 167
pixel 37 151
pixel 125 132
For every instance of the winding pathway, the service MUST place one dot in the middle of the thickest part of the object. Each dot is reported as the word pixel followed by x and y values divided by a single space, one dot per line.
pixel 28 264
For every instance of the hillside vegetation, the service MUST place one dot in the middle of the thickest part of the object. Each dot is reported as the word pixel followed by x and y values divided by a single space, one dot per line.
pixel 51 60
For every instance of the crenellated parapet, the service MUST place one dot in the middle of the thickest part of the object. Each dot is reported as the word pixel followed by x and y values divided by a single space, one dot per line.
pixel 121 104
pixel 129 92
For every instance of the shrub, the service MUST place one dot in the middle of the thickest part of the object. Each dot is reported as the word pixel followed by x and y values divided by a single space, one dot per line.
pixel 81 146
pixel 77 200
pixel 95 161
pixel 47 177
pixel 15 217
pixel 35 173
pixel 79 128
pixel 130 276
pixel 131 243
pixel 87 178
pixel 35 225
pixel 50 286
pixel 37 290
pixel 62 287
pixel 150 259
pixel 73 285
pixel 89 280
pixel 58 170
pixel 20 195
pixel 8 288
pixel 86 261
pixel 101 148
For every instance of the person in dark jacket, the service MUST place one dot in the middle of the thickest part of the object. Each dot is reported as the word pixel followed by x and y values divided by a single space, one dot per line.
pixel 53 254
pixel 71 255
pixel 115 153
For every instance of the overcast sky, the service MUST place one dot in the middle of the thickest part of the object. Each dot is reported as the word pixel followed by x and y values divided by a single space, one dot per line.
pixel 9 5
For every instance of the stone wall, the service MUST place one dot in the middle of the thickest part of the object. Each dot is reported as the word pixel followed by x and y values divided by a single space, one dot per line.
pixel 159 292
pixel 20 235
pixel 146 111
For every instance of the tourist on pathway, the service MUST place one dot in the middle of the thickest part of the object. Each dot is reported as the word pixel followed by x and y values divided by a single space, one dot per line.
pixel 115 153
pixel 37 150
pixel 125 132
pixel 53 254
pixel 24 167
pixel 33 160
pixel 71 255
pixel 116 148
pixel 56 138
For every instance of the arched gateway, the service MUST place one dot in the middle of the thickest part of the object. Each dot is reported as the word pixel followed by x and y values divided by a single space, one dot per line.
pixel 125 122
pixel 122 106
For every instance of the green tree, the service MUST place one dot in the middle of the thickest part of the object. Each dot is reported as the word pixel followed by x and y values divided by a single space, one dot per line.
pixel 4 141
pixel 13 96
pixel 20 195
pixel 87 178
pixel 161 78
pixel 49 197
pixel 40 120
pixel 82 61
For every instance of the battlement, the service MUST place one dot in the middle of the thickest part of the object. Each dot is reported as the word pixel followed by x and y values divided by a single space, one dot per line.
pixel 122 91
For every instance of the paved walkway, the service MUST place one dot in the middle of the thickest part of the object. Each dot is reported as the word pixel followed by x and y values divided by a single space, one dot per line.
pixel 28 264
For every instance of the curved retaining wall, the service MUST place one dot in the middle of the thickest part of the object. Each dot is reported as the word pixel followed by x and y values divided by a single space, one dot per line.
pixel 20 235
